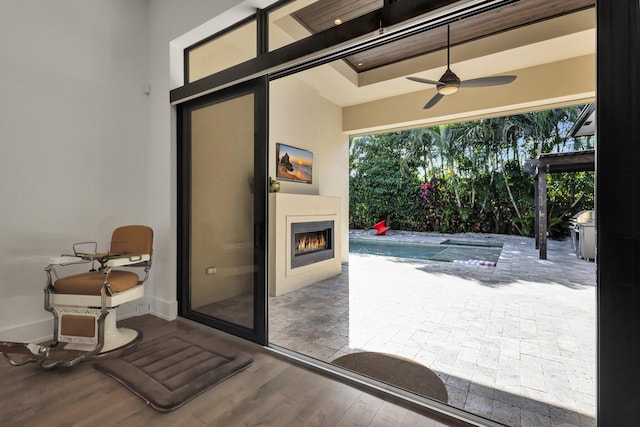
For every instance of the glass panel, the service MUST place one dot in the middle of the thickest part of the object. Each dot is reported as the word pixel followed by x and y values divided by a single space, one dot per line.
pixel 483 341
pixel 230 49
pixel 222 211
pixel 302 18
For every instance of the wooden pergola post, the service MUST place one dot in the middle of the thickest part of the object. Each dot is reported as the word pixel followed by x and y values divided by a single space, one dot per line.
pixel 536 219
pixel 541 202
pixel 575 161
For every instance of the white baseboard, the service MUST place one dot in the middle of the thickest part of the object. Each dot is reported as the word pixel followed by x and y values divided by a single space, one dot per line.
pixel 42 330
pixel 38 331
pixel 167 310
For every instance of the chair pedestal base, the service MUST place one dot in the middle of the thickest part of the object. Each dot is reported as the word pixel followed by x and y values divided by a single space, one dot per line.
pixel 72 353
pixel 114 337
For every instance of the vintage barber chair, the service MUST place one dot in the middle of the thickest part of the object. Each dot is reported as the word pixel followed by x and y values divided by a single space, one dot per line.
pixel 84 305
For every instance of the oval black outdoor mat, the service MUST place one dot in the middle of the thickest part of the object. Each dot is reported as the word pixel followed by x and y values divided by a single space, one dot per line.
pixel 396 371
pixel 169 371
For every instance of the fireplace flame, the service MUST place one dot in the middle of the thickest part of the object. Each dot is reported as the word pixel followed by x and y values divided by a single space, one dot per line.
pixel 310 243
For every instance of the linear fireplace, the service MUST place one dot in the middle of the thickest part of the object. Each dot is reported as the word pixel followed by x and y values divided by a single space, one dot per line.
pixel 311 242
pixel 288 271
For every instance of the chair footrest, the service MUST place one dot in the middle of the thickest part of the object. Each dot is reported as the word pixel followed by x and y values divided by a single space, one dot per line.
pixel 7 347
pixel 60 357
pixel 18 354
pixel 25 353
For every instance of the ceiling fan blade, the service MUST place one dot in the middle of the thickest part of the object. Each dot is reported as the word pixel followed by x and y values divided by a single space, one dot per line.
pixel 421 80
pixel 433 101
pixel 488 81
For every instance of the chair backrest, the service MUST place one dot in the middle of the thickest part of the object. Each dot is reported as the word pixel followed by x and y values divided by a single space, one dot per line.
pixel 132 239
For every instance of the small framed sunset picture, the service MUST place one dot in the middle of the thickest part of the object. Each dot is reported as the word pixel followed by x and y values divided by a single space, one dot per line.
pixel 293 164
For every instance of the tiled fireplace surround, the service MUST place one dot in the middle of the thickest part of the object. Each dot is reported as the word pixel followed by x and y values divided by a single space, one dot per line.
pixel 286 209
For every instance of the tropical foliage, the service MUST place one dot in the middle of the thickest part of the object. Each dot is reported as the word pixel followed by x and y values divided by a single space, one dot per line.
pixel 467 177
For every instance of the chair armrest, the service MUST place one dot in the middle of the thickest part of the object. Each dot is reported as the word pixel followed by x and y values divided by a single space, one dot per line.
pixel 66 259
pixel 81 248
pixel 129 259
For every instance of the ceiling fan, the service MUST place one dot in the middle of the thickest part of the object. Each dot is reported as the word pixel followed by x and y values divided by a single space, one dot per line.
pixel 449 83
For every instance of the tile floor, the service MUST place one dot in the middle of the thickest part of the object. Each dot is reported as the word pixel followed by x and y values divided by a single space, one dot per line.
pixel 514 343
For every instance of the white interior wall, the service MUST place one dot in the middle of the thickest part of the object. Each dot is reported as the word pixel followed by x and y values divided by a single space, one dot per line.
pixel 73 164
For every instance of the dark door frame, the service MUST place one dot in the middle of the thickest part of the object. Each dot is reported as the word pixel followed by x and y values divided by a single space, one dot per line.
pixel 618 211
pixel 258 87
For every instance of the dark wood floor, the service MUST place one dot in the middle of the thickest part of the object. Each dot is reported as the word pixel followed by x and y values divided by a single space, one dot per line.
pixel 272 392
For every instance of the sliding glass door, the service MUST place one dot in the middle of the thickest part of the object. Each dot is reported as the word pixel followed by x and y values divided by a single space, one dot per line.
pixel 222 203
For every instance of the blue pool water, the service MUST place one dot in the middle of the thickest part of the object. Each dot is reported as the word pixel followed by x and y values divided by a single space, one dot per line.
pixel 449 250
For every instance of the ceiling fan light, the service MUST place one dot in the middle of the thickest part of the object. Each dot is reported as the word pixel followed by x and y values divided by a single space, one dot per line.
pixel 448 89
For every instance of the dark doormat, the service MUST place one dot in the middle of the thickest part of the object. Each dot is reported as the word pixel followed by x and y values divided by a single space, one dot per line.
pixel 402 373
pixel 169 371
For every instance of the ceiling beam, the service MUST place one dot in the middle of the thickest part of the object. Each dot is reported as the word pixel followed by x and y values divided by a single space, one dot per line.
pixel 567 82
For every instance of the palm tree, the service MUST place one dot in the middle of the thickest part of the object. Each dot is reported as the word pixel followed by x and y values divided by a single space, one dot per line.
pixel 480 161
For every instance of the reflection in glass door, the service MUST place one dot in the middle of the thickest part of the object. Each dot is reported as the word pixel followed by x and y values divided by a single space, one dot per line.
pixel 222 212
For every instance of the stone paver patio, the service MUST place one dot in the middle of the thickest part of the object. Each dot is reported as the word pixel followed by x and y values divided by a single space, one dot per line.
pixel 514 343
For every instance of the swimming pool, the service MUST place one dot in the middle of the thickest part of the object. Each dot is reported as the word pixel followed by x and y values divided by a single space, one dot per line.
pixel 461 251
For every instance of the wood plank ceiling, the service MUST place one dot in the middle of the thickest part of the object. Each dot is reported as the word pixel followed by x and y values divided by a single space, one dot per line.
pixel 322 15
